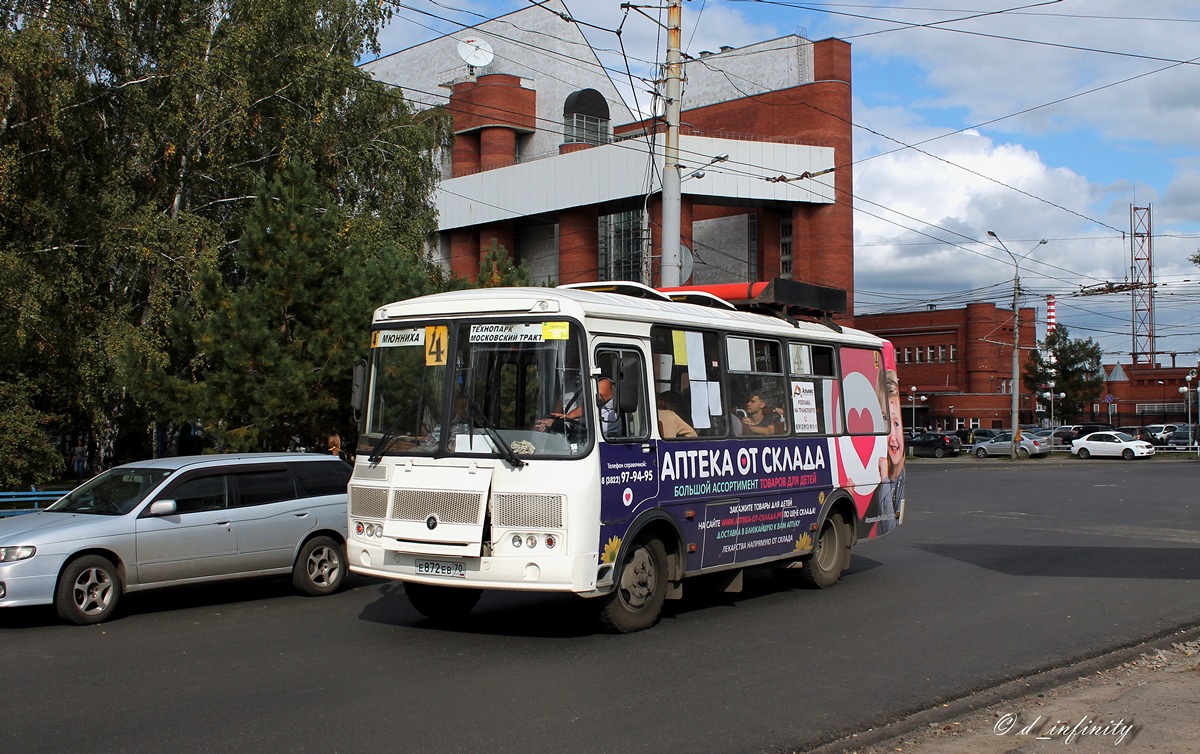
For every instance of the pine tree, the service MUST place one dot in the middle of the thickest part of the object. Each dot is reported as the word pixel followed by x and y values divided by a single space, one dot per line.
pixel 1074 367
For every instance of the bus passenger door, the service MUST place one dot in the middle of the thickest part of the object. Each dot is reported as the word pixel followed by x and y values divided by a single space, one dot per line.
pixel 628 452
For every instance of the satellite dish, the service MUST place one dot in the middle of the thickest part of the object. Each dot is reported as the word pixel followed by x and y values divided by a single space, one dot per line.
pixel 475 52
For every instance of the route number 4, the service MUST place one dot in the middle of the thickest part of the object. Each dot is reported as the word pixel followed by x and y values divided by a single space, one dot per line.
pixel 436 340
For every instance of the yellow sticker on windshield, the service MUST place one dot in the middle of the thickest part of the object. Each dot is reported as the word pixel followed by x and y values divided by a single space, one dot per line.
pixel 556 330
pixel 436 345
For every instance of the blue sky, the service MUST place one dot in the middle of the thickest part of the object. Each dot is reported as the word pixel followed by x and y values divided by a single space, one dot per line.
pixel 1048 122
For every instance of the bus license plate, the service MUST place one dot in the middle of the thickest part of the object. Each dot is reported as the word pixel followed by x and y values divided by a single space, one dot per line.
pixel 441 568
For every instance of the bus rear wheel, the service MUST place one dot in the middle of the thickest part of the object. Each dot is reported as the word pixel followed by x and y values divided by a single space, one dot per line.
pixel 441 603
pixel 831 555
pixel 636 602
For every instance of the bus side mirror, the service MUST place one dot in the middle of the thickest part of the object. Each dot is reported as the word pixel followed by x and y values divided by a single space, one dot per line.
pixel 629 392
pixel 358 390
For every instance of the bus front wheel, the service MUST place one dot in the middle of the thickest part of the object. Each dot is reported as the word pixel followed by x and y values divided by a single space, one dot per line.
pixel 831 555
pixel 441 603
pixel 641 589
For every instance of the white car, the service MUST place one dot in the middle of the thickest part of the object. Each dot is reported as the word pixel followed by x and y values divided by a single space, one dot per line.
pixel 182 520
pixel 1115 444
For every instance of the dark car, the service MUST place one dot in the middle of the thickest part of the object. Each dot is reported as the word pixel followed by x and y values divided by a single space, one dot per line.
pixel 936 444
pixel 972 435
pixel 1137 433
pixel 1185 436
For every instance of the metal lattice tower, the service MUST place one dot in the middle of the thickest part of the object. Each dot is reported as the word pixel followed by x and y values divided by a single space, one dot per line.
pixel 1141 269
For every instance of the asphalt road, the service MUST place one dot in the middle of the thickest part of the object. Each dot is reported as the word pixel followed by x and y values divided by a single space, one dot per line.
pixel 999 571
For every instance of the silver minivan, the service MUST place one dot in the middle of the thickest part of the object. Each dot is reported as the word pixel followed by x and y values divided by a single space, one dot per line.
pixel 184 520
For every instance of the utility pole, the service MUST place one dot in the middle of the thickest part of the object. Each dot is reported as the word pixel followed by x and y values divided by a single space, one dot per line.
pixel 672 263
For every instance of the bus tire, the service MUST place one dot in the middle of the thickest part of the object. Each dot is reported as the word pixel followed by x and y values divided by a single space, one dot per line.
pixel 441 603
pixel 637 599
pixel 831 555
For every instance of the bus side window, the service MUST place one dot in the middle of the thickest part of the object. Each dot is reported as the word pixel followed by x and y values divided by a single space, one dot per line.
pixel 621 403
pixel 759 398
pixel 687 367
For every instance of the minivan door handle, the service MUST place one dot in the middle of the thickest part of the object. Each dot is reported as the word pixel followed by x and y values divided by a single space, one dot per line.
pixel 300 514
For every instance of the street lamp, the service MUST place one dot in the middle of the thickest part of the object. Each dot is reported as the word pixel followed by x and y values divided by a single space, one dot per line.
pixel 912 398
pixel 1016 362
pixel 1050 396
pixel 1184 391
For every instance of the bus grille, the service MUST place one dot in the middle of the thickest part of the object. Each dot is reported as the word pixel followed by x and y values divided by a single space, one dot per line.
pixel 540 511
pixel 449 507
pixel 369 502
pixel 379 473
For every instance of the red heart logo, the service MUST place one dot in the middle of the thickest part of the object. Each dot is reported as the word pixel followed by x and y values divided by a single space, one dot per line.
pixel 860 422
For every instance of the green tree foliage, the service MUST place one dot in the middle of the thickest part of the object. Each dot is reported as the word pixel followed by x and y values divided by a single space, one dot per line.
pixel 285 319
pixel 1074 367
pixel 133 140
pixel 496 269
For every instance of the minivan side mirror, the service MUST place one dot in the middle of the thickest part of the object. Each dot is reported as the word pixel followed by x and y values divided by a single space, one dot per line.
pixel 162 507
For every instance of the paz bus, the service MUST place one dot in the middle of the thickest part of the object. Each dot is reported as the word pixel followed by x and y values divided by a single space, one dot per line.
pixel 611 440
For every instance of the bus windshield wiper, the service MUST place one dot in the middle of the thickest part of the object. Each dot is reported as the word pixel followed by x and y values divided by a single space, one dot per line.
pixel 377 451
pixel 505 451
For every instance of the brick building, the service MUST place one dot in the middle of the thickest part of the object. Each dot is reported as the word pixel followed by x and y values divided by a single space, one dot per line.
pixel 960 361
pixel 550 163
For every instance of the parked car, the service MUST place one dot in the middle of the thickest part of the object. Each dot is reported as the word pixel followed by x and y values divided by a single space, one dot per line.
pixel 1116 444
pixel 1137 433
pixel 1001 445
pixel 1185 436
pixel 972 435
pixel 1085 429
pixel 936 444
pixel 184 520
pixel 1158 434
pixel 1060 437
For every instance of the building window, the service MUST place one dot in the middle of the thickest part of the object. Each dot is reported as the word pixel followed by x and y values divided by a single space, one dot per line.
pixel 919 351
pixel 621 247
pixel 942 354
pixel 953 352
pixel 929 354
pixel 752 246
pixel 907 355
pixel 585 118
pixel 785 246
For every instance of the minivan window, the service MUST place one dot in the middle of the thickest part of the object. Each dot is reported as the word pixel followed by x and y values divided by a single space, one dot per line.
pixel 323 477
pixel 265 486
pixel 206 493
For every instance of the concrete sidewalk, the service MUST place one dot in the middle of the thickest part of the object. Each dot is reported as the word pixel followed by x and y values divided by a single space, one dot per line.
pixel 1144 699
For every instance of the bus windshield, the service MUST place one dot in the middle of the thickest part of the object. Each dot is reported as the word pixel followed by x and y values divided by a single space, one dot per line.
pixel 481 387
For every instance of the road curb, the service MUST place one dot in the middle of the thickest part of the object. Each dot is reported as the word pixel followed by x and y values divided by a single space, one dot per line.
pixel 1017 688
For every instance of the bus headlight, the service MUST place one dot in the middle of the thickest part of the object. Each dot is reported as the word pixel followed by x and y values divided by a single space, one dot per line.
pixel 531 541
pixel 516 540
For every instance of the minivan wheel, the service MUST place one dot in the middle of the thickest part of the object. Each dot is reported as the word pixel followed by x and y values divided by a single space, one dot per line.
pixel 320 567
pixel 88 591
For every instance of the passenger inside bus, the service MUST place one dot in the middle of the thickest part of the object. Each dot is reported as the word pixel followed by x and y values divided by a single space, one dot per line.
pixel 670 424
pixel 754 418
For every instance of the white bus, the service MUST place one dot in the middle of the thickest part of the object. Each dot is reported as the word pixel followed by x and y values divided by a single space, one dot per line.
pixel 513 438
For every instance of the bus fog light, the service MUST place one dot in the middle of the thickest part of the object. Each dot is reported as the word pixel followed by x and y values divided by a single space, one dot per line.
pixel 551 541
pixel 531 541
pixel 532 572
pixel 516 540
